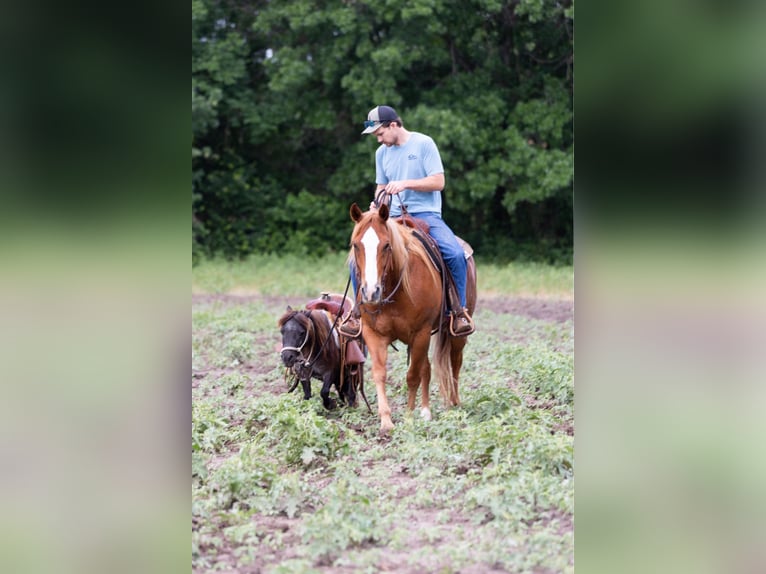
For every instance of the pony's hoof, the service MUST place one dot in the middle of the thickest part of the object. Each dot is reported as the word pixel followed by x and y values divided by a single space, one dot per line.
pixel 385 428
pixel 425 413
pixel 330 404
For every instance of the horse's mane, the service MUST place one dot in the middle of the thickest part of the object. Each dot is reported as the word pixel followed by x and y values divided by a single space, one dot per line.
pixel 318 325
pixel 403 245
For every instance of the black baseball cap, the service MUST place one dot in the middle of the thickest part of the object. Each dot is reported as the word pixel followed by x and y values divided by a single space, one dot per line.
pixel 377 116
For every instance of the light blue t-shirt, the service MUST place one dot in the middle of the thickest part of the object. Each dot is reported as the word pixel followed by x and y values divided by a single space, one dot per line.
pixel 416 159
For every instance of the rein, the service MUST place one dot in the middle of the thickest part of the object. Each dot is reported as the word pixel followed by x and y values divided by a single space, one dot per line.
pixel 379 199
pixel 389 298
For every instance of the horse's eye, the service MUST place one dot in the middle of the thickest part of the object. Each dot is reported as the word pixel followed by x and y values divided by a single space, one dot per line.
pixel 387 247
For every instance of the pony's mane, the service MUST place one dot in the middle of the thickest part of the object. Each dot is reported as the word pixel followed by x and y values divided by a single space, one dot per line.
pixel 318 325
pixel 403 245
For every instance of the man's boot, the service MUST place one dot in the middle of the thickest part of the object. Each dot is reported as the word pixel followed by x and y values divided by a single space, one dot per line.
pixel 461 324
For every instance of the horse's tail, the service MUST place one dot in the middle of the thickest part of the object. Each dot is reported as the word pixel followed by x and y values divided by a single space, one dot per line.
pixel 442 363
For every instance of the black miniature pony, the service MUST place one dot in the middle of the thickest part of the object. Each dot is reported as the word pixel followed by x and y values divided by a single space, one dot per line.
pixel 310 348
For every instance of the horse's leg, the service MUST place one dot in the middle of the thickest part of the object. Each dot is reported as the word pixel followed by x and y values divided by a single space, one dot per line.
pixel 419 373
pixel 378 350
pixel 306 384
pixel 456 356
pixel 457 344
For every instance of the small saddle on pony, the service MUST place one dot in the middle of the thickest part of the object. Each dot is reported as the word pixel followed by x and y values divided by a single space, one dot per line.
pixel 338 306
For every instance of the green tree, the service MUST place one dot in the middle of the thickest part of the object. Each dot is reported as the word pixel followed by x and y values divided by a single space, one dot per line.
pixel 280 88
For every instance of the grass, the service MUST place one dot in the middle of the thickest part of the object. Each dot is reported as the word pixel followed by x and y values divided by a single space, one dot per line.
pixel 272 275
pixel 281 485
pixel 525 280
pixel 299 276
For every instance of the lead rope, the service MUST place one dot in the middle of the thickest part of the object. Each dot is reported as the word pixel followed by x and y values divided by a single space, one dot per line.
pixel 359 387
pixel 332 328
pixel 360 379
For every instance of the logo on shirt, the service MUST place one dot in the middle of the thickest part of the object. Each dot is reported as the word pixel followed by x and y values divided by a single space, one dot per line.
pixel 412 156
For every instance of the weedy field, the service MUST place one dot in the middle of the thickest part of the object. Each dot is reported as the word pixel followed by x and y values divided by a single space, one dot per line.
pixel 280 485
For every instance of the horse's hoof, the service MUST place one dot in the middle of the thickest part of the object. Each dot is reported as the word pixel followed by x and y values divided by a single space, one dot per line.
pixel 386 428
pixel 425 412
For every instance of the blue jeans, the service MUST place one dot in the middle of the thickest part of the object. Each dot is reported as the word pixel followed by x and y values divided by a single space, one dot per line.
pixel 451 251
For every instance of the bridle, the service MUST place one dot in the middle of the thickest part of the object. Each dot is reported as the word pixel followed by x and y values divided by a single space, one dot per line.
pixel 382 197
pixel 379 200
pixel 298 350
pixel 302 368
pixel 390 297
pixel 302 364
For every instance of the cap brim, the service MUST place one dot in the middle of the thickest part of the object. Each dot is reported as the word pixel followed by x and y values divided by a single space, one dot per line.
pixel 373 128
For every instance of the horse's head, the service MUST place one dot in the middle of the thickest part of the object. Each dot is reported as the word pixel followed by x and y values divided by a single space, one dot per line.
pixel 294 327
pixel 376 246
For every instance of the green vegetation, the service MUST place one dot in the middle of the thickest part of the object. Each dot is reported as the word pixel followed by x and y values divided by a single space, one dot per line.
pixel 272 275
pixel 282 485
pixel 280 90
pixel 300 276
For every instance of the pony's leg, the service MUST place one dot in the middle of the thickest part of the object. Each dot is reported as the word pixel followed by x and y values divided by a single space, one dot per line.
pixel 379 355
pixel 328 379
pixel 456 356
pixel 419 373
pixel 346 389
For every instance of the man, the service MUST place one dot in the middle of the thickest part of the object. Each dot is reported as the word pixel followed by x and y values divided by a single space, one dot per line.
pixel 408 166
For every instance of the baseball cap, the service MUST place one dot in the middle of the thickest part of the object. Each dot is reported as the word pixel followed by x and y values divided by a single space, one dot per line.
pixel 377 116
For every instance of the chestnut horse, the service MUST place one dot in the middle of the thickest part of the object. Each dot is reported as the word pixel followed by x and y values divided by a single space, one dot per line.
pixel 400 298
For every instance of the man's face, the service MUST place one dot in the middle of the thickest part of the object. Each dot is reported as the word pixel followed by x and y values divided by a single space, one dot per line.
pixel 386 135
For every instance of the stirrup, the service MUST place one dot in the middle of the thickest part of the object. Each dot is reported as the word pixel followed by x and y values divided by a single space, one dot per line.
pixel 454 316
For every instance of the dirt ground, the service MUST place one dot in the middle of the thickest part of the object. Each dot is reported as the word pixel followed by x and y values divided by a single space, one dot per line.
pixel 554 311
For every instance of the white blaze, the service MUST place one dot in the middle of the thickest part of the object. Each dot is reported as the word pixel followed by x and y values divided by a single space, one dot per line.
pixel 370 241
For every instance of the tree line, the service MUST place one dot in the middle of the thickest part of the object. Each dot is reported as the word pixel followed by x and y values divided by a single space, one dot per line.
pixel 280 90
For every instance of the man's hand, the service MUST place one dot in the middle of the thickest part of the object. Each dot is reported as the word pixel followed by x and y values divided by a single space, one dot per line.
pixel 395 187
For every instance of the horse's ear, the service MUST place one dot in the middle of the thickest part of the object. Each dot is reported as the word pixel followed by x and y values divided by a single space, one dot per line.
pixel 356 212
pixel 383 212
pixel 289 309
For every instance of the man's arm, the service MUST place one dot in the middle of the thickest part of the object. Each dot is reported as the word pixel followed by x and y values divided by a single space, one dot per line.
pixel 433 182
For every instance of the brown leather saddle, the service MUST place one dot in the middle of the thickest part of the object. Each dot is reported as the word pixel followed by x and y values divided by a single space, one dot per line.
pixel 337 305
pixel 451 299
